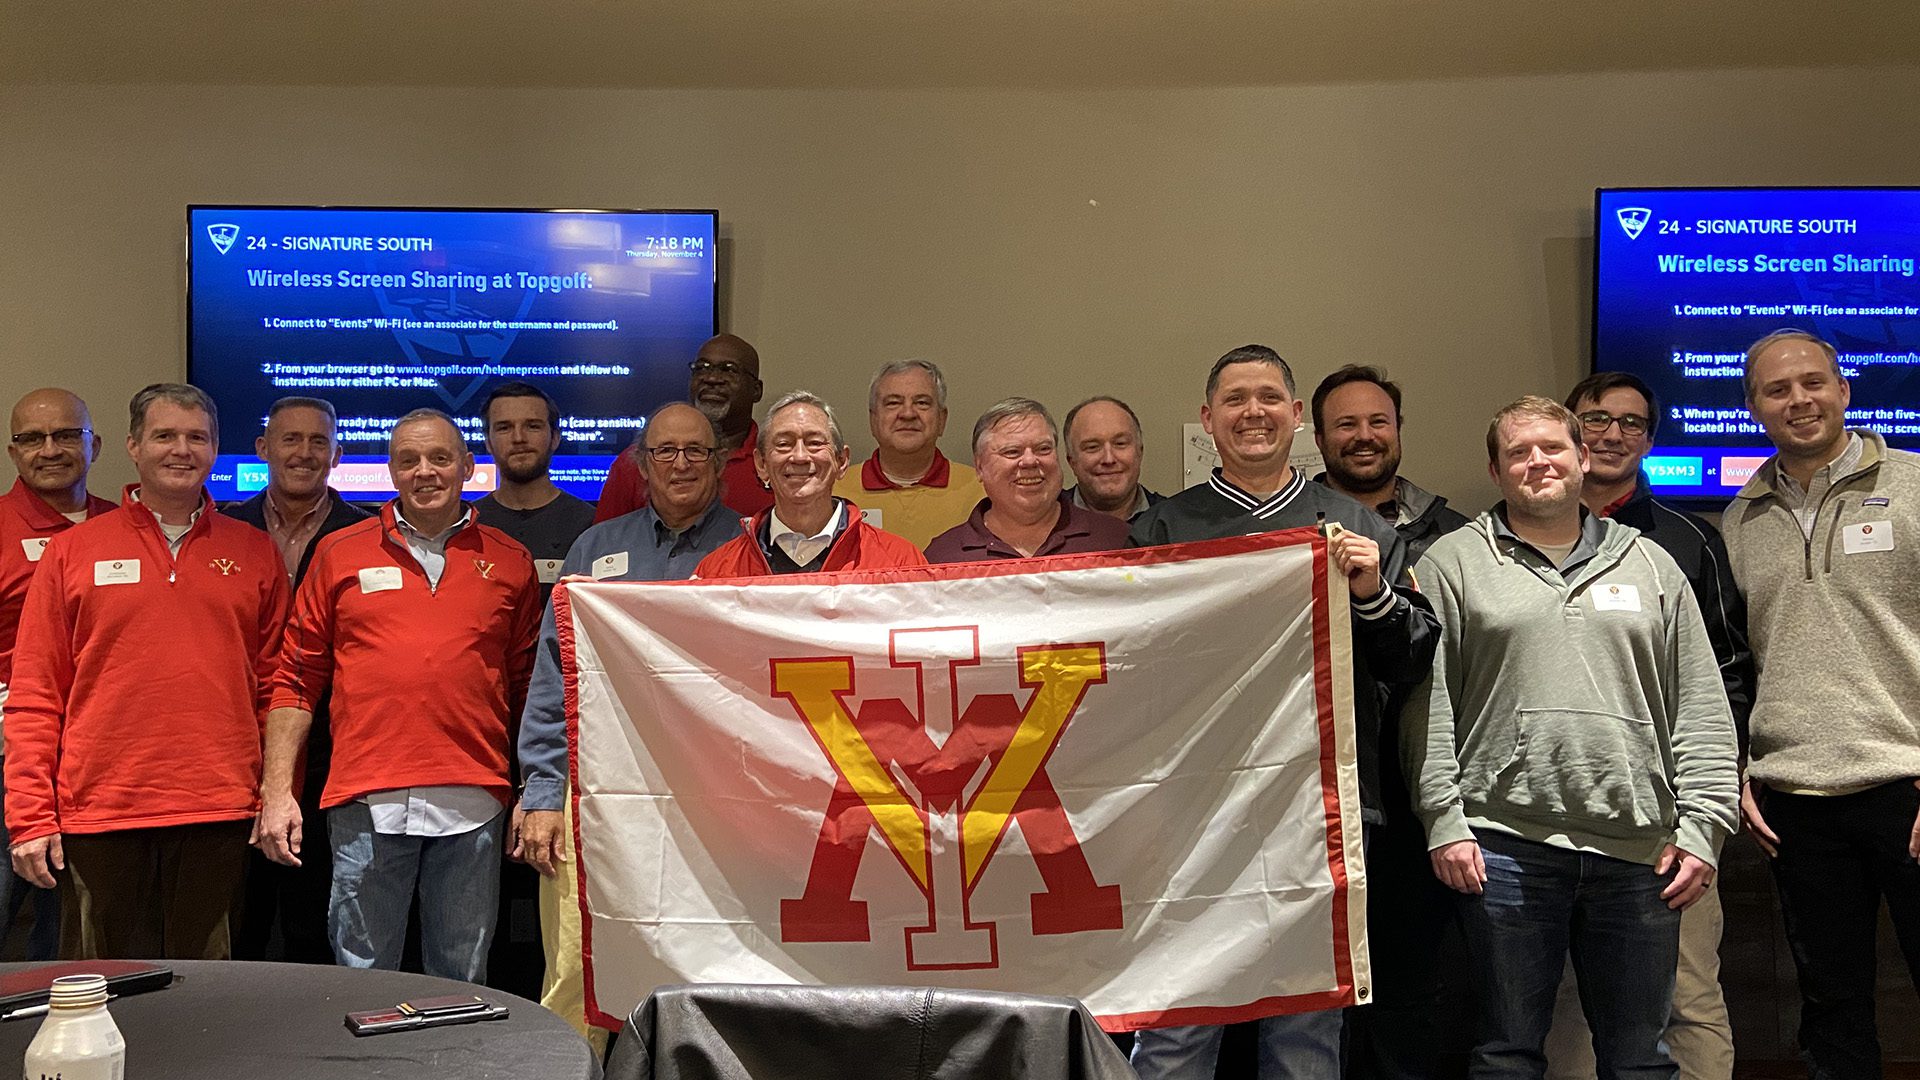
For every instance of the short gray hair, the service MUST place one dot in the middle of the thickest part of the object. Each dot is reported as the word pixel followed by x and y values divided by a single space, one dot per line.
pixel 1007 409
pixel 182 394
pixel 420 416
pixel 804 397
pixel 1787 334
pixel 898 366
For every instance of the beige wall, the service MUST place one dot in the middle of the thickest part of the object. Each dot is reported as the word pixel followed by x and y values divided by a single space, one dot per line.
pixel 1045 243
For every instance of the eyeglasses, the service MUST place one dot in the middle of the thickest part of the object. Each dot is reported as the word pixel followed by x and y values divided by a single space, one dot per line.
pixel 724 367
pixel 68 437
pixel 1597 421
pixel 665 454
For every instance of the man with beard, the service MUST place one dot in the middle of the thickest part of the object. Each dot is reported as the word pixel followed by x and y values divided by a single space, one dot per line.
pixel 723 382
pixel 1251 412
pixel 523 434
pixel 908 487
pixel 1016 450
pixel 297 509
pixel 1104 448
pixel 1404 1033
pixel 1356 422
pixel 1573 752
pixel 1618 417
pixel 52 444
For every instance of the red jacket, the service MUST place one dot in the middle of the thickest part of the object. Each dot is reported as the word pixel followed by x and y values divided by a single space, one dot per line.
pixel 740 488
pixel 140 678
pixel 425 681
pixel 26 524
pixel 859 546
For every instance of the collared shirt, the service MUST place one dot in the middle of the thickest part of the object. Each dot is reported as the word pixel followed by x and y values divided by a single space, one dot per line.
pixel 1805 504
pixel 918 510
pixel 1585 547
pixel 430 551
pixel 800 547
pixel 1075 531
pixel 1140 501
pixel 436 809
pixel 632 547
pixel 291 537
pixel 27 523
pixel 176 534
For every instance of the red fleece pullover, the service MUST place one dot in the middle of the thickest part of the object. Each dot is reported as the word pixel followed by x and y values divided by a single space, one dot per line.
pixel 26 524
pixel 140 677
pixel 426 681
pixel 859 546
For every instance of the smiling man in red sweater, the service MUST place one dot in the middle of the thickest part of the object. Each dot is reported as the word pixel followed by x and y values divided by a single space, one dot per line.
pixel 422 621
pixel 133 722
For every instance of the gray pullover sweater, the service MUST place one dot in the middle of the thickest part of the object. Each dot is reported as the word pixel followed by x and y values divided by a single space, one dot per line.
pixel 1583 710
pixel 1835 625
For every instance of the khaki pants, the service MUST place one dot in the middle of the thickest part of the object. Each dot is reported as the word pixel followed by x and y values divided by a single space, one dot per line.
pixel 564 988
pixel 171 893
pixel 1698 1033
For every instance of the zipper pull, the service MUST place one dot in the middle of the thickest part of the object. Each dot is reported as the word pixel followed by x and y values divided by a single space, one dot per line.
pixel 172 572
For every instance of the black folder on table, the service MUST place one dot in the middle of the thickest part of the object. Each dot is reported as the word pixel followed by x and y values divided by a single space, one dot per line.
pixel 33 986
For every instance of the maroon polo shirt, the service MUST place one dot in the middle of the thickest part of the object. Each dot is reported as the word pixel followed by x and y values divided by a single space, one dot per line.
pixel 1078 531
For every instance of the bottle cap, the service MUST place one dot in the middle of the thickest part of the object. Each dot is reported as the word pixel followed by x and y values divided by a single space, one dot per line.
pixel 78 992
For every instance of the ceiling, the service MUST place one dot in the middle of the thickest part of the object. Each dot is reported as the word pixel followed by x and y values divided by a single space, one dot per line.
pixel 924 43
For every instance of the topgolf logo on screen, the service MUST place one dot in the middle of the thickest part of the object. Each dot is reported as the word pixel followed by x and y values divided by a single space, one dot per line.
pixel 1633 219
pixel 223 236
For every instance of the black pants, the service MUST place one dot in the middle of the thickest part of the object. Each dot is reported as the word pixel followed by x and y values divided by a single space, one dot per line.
pixel 1411 1030
pixel 1840 855
pixel 153 894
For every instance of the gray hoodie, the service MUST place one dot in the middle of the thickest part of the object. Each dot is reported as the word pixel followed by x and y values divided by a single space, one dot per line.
pixel 1582 709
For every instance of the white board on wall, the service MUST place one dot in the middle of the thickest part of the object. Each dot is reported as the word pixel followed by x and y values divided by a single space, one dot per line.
pixel 1198 457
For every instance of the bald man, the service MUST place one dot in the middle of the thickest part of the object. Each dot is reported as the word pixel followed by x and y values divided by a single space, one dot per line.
pixel 52 444
pixel 723 382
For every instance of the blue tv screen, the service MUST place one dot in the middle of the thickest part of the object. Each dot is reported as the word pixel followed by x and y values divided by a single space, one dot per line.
pixel 385 310
pixel 1687 278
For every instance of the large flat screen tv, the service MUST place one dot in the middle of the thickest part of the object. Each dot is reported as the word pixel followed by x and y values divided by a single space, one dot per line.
pixel 1687 278
pixel 384 310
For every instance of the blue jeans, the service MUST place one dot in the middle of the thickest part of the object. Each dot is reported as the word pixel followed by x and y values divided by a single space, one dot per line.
pixel 1542 903
pixel 1301 1046
pixel 16 892
pixel 375 876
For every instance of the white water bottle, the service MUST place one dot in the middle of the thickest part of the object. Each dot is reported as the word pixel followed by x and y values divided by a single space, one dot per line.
pixel 78 1040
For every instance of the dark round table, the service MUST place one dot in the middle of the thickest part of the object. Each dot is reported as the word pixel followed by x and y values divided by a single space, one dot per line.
pixel 237 1020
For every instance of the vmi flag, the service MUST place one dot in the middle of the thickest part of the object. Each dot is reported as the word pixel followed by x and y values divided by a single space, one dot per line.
pixel 1125 777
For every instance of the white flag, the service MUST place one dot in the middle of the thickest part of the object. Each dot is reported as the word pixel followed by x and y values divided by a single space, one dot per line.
pixel 1125 777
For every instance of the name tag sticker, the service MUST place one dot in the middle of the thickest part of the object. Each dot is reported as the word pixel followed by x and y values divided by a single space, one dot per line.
pixel 1867 536
pixel 1615 597
pixel 606 566
pixel 116 572
pixel 379 579
pixel 873 517
pixel 34 546
pixel 547 569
